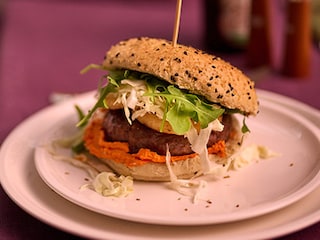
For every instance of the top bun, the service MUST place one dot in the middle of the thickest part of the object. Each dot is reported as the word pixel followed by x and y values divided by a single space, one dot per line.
pixel 189 68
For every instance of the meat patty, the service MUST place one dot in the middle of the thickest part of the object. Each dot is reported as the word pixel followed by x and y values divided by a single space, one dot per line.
pixel 138 136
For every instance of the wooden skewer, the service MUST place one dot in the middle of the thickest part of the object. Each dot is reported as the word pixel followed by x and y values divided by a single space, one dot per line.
pixel 176 23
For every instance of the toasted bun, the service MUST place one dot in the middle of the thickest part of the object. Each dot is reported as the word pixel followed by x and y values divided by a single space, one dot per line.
pixel 188 68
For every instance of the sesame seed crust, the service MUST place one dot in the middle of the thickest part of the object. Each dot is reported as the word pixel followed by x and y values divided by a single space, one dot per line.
pixel 188 68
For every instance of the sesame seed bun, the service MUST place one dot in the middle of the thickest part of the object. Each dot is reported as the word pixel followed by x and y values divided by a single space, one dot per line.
pixel 187 67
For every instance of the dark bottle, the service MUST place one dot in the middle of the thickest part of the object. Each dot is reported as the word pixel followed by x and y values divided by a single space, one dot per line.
pixel 297 48
pixel 226 24
pixel 259 50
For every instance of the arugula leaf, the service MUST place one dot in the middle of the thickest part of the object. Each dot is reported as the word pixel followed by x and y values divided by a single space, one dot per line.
pixel 100 103
pixel 182 107
pixel 80 113
pixel 178 119
pixel 114 80
pixel 91 66
pixel 244 128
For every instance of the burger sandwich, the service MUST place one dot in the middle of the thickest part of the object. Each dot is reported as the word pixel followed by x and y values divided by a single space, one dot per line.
pixel 166 109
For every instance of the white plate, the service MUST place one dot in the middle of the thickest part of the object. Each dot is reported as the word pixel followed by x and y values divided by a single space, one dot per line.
pixel 252 191
pixel 30 193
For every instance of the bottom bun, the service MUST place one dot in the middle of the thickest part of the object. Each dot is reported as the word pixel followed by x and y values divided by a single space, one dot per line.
pixel 184 169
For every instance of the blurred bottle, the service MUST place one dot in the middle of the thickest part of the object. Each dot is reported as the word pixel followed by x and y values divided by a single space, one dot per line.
pixel 226 24
pixel 316 22
pixel 259 50
pixel 297 54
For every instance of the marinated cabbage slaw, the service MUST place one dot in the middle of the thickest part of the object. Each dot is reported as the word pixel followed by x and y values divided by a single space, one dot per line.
pixel 139 94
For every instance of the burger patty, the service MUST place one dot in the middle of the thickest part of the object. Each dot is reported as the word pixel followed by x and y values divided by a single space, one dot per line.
pixel 117 128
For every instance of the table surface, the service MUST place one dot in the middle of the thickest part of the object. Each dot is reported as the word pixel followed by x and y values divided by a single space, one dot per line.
pixel 44 45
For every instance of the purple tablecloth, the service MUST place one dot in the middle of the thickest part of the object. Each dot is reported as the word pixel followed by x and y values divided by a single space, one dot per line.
pixel 44 45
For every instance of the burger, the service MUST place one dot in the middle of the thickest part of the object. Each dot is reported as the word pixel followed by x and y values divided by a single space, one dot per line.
pixel 166 109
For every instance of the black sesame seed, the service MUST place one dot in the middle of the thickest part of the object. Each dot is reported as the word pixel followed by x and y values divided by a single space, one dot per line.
pixel 195 79
pixel 200 71
pixel 209 84
pixel 215 90
pixel 161 59
pixel 211 78
pixel 196 52
pixel 220 96
pixel 215 58
pixel 163 44
pixel 232 94
pixel 117 55
pixel 227 91
pixel 213 66
pixel 217 76
pixel 185 53
pixel 111 62
pixel 132 54
pixel 139 64
pixel 187 72
pixel 176 74
pixel 157 49
pixel 173 78
pixel 177 60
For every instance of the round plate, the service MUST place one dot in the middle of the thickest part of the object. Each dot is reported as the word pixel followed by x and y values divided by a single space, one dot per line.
pixel 252 191
pixel 32 194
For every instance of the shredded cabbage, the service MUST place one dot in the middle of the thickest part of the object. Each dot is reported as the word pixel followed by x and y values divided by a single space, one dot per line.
pixel 250 154
pixel 105 183
pixel 131 95
pixel 192 188
pixel 53 150
pixel 196 188
pixel 199 142
pixel 108 184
